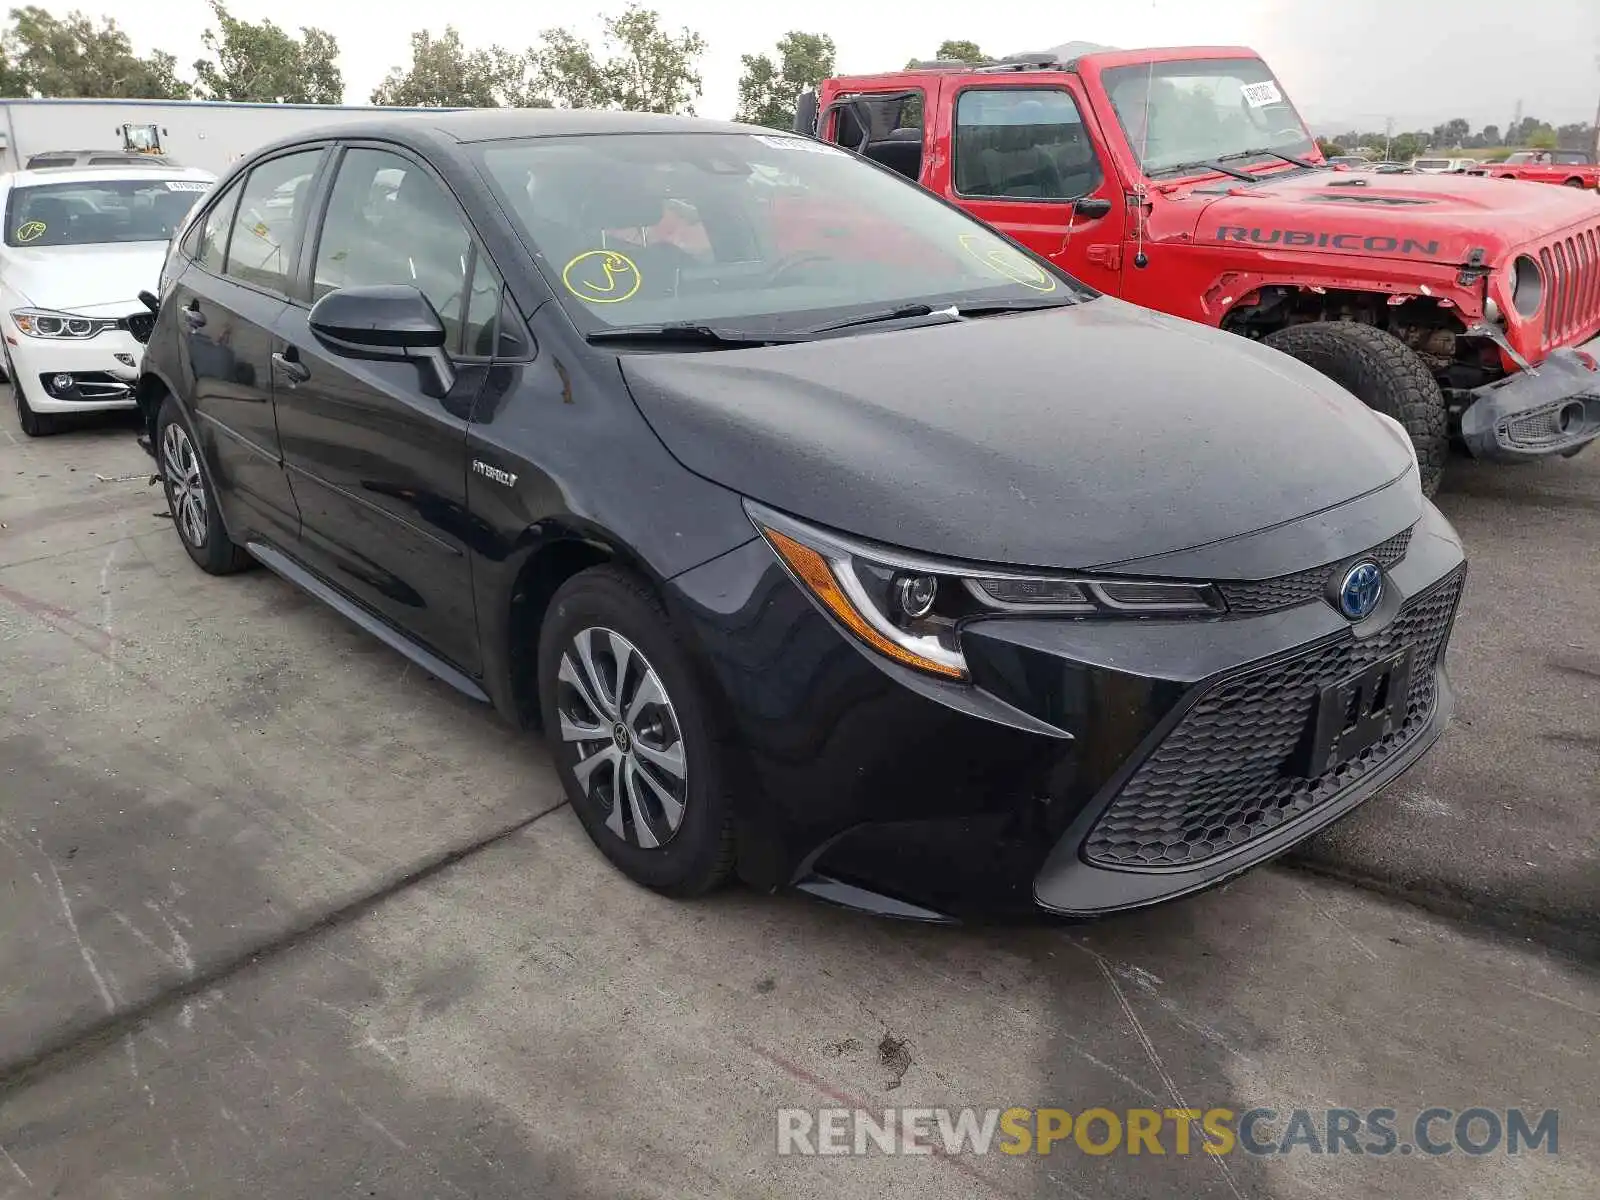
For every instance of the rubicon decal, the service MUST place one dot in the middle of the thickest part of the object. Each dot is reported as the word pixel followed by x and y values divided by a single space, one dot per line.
pixel 1373 244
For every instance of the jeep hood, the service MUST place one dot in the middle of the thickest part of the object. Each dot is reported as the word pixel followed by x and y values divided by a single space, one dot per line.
pixel 1075 437
pixel 1438 218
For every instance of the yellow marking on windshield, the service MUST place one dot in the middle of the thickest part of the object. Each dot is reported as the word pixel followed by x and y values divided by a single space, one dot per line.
pixel 1008 262
pixel 601 277
pixel 31 231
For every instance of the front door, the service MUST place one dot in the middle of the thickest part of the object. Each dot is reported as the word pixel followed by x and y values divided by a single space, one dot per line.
pixel 379 466
pixel 1021 156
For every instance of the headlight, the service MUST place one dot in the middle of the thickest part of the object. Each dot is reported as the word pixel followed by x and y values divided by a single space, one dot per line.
pixel 43 323
pixel 1400 432
pixel 1526 286
pixel 910 609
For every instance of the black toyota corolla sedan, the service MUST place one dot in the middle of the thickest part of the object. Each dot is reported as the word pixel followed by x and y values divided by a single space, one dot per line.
pixel 832 539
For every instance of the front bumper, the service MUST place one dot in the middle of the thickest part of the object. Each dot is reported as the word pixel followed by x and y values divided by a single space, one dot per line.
pixel 102 370
pixel 1553 408
pixel 1092 766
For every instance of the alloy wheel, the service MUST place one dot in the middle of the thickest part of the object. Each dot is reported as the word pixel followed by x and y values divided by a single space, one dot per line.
pixel 185 488
pixel 616 716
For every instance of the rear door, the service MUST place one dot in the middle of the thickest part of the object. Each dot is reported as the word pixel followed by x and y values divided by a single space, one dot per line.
pixel 230 299
pixel 379 467
pixel 1021 156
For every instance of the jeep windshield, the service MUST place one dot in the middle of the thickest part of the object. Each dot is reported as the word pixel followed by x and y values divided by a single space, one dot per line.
pixel 745 235
pixel 1184 114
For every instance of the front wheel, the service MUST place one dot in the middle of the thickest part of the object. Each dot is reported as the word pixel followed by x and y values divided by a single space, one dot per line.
pixel 34 424
pixel 1385 375
pixel 633 737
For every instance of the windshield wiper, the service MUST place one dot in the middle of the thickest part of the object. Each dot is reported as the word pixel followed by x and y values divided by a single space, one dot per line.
pixel 1207 164
pixel 690 333
pixel 902 313
pixel 1288 158
pixel 1004 306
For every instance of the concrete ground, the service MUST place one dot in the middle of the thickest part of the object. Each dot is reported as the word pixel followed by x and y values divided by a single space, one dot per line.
pixel 285 918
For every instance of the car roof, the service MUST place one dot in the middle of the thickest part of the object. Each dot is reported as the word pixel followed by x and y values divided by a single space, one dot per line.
pixel 484 125
pixel 106 174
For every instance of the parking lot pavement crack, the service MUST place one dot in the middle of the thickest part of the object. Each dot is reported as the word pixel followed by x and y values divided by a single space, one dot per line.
pixel 74 1042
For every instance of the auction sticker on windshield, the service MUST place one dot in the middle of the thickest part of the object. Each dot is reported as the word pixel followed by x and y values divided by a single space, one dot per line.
pixel 1259 95
pixel 1008 262
pixel 804 145
pixel 601 277
pixel 186 185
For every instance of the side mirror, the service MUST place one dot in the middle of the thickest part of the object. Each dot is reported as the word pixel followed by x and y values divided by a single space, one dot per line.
pixel 1091 207
pixel 392 323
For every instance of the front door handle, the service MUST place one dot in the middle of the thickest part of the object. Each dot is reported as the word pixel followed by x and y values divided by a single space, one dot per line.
pixel 194 318
pixel 293 369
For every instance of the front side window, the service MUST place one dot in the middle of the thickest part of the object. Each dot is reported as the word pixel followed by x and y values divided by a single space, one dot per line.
pixel 273 199
pixel 93 212
pixel 391 222
pixel 1022 143
pixel 766 231
pixel 1181 113
pixel 213 240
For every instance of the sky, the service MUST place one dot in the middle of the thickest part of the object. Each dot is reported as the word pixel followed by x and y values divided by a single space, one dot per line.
pixel 1355 62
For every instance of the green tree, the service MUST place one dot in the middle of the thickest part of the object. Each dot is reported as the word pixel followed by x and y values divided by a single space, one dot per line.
pixel 767 91
pixel 646 68
pixel 47 55
pixel 445 74
pixel 1330 149
pixel 961 51
pixel 1543 138
pixel 264 63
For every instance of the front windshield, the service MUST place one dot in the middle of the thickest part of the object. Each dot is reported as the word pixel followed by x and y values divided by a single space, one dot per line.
pixel 92 212
pixel 757 232
pixel 1182 112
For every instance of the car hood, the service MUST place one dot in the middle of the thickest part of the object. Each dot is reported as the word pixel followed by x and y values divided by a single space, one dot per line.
pixel 1076 437
pixel 83 278
pixel 1437 218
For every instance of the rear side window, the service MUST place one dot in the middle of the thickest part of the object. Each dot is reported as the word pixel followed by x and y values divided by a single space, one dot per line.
pixel 1022 144
pixel 274 196
pixel 211 235
pixel 391 222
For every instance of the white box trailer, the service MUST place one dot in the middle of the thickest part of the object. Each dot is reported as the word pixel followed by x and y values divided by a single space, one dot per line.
pixel 193 133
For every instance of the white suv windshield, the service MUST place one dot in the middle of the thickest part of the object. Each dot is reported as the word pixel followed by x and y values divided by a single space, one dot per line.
pixel 761 231
pixel 1432 164
pixel 1184 112
pixel 89 212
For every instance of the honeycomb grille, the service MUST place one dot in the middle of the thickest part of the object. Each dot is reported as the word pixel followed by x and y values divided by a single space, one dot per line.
pixel 1223 777
pixel 1286 591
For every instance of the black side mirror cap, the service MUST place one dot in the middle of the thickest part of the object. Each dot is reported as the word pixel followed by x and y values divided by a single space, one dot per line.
pixel 149 301
pixel 1091 207
pixel 392 322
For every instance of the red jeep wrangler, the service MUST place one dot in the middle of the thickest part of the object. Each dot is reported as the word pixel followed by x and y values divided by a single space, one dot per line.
pixel 1573 168
pixel 1185 181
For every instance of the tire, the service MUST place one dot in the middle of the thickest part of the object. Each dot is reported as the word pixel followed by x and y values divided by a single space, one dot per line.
pixel 34 424
pixel 1385 375
pixel 1577 183
pixel 618 618
pixel 190 497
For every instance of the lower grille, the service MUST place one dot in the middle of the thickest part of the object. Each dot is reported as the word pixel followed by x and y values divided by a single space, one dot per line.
pixel 1286 591
pixel 1223 777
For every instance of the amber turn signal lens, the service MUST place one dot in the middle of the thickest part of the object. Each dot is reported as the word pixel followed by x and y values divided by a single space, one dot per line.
pixel 813 570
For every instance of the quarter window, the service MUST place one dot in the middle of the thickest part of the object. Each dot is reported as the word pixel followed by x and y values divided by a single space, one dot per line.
pixel 260 250
pixel 391 222
pixel 1022 144
pixel 213 241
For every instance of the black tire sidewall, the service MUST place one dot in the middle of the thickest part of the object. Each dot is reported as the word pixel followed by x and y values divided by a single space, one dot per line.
pixel 1384 374
pixel 219 555
pixel 698 856
pixel 32 422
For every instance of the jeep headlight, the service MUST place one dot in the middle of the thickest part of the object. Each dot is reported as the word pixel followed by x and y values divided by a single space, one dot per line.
pixel 1526 286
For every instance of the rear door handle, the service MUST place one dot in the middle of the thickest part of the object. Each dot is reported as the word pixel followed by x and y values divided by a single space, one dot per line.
pixel 194 317
pixel 293 369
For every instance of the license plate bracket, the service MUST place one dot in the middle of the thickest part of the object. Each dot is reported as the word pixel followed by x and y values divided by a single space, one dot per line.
pixel 1359 711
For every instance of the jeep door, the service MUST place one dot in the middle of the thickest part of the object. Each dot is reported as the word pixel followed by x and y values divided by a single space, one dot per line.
pixel 1023 158
pixel 377 463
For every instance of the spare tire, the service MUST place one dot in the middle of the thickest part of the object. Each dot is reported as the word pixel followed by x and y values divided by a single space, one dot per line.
pixel 1385 375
